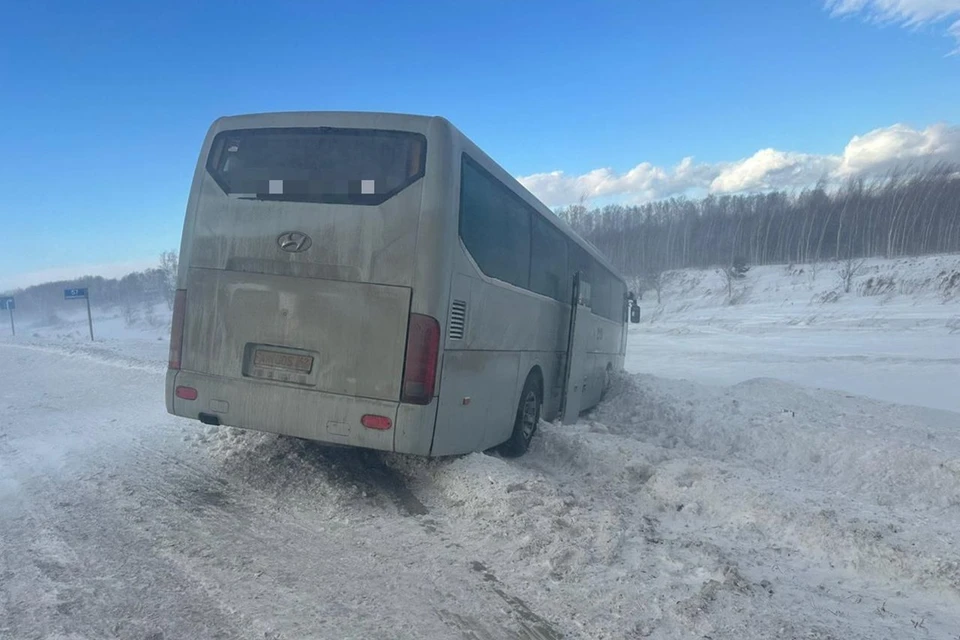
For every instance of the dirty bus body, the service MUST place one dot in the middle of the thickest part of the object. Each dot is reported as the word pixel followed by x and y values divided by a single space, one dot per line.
pixel 337 283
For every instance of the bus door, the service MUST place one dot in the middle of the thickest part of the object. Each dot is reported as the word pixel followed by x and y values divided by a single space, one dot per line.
pixel 577 340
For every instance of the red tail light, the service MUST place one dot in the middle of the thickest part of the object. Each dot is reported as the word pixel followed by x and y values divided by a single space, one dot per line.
pixel 380 423
pixel 187 393
pixel 420 370
pixel 176 329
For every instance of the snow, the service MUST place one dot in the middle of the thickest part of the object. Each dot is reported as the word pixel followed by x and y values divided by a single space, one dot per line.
pixel 716 493
pixel 140 342
pixel 902 346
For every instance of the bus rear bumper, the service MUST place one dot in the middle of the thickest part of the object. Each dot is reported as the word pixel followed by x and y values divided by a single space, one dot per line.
pixel 301 413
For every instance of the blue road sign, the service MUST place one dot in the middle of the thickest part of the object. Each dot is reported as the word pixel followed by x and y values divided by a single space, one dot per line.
pixel 7 303
pixel 74 294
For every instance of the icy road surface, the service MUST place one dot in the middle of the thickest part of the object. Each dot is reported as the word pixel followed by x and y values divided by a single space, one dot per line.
pixel 676 510
pixel 114 525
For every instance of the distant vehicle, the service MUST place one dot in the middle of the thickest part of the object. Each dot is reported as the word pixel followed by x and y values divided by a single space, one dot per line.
pixel 376 280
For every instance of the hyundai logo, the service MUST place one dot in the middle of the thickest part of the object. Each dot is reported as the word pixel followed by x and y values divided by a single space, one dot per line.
pixel 294 242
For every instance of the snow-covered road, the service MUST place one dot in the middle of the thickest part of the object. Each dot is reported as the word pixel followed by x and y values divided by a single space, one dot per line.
pixel 113 523
pixel 675 510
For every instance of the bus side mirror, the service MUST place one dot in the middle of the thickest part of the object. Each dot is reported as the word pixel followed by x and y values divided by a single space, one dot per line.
pixel 632 297
pixel 635 313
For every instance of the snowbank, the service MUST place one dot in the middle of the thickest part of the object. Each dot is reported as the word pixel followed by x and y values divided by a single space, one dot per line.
pixel 678 510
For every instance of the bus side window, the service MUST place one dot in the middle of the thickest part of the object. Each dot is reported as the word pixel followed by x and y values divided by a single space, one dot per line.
pixel 548 261
pixel 494 226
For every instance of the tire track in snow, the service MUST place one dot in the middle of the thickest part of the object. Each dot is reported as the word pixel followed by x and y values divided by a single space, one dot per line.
pixel 374 487
pixel 190 512
pixel 163 541
pixel 72 565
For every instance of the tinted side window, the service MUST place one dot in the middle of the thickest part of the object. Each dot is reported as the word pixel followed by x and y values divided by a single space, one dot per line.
pixel 602 281
pixel 606 292
pixel 615 292
pixel 494 226
pixel 548 271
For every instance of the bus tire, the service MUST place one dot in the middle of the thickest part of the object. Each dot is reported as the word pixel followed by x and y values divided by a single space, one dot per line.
pixel 527 420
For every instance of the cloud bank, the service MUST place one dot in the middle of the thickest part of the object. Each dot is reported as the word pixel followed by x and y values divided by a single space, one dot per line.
pixel 907 13
pixel 868 155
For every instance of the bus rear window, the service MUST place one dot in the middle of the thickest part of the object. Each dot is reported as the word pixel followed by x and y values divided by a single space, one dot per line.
pixel 338 166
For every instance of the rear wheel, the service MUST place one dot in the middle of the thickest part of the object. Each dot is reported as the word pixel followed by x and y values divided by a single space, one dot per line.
pixel 527 420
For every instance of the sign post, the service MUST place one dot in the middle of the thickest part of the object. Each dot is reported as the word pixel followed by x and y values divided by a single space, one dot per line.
pixel 8 303
pixel 81 294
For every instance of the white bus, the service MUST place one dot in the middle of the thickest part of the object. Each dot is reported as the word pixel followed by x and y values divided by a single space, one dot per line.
pixel 376 280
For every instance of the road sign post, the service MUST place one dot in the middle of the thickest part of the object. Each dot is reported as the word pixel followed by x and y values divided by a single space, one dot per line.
pixel 89 319
pixel 8 303
pixel 81 294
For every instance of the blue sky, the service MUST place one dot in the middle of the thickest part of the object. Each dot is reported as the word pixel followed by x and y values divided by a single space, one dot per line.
pixel 104 110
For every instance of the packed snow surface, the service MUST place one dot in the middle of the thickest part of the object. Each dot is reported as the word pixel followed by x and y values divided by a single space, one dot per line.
pixel 894 336
pixel 708 500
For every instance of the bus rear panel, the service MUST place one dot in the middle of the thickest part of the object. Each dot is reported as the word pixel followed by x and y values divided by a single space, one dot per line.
pixel 296 309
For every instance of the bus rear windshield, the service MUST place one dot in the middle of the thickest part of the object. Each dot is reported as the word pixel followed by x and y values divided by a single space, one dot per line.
pixel 338 166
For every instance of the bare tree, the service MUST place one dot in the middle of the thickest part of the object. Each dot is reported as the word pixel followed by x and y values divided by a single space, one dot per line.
pixel 149 314
pixel 850 269
pixel 654 280
pixel 812 270
pixel 131 312
pixel 729 277
pixel 168 268
pixel 128 295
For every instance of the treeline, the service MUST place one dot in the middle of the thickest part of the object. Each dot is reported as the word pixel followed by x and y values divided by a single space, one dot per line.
pixel 903 213
pixel 45 302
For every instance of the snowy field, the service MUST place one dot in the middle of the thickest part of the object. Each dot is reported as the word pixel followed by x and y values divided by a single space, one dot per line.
pixel 717 493
pixel 895 336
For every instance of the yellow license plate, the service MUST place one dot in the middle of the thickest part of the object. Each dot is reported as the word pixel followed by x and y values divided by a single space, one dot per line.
pixel 280 360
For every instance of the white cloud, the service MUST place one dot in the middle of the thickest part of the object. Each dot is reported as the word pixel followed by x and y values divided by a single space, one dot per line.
pixel 909 13
pixel 871 154
pixel 882 149
pixel 55 274
pixel 644 182
pixel 772 169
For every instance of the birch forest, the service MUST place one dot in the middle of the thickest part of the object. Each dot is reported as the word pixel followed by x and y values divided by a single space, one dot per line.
pixel 904 213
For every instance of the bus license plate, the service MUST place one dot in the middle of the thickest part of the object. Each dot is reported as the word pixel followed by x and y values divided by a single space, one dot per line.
pixel 278 360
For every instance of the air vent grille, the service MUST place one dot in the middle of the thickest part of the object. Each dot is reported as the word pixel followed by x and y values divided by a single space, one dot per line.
pixel 458 319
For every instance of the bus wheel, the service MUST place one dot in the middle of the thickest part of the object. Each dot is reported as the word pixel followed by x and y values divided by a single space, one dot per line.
pixel 528 418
